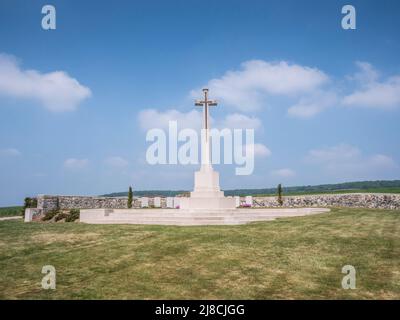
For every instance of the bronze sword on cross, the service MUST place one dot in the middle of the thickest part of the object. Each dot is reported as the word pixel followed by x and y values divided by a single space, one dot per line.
pixel 205 103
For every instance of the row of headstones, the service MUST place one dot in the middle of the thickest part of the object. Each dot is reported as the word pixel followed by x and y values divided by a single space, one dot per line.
pixel 174 202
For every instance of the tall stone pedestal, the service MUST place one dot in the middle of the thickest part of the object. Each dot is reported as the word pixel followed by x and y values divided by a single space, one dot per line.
pixel 207 194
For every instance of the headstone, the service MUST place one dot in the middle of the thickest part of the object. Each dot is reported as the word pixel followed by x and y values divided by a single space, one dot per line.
pixel 177 202
pixel 144 202
pixel 28 214
pixel 237 201
pixel 170 202
pixel 157 202
pixel 249 201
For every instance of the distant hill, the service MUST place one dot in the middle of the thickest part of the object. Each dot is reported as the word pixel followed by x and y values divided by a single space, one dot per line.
pixel 380 186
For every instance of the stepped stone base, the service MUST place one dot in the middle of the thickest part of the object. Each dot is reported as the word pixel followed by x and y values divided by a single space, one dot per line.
pixel 207 194
pixel 190 217
pixel 216 203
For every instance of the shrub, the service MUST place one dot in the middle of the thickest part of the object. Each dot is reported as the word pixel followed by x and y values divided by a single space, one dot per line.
pixel 29 203
pixel 280 199
pixel 50 215
pixel 61 216
pixel 73 215
pixel 130 197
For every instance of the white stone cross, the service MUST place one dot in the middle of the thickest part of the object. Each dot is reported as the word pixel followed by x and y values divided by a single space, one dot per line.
pixel 206 156
pixel 205 103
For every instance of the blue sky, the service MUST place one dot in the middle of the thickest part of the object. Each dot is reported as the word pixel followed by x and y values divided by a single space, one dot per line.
pixel 324 102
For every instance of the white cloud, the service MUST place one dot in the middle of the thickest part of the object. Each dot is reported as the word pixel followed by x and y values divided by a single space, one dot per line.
pixel 56 91
pixel 307 91
pixel 284 173
pixel 381 160
pixel 349 162
pixel 151 118
pixel 117 162
pixel 240 121
pixel 73 163
pixel 247 89
pixel 309 106
pixel 372 92
pixel 260 150
pixel 10 152
pixel 339 153
pixel 366 74
pixel 384 95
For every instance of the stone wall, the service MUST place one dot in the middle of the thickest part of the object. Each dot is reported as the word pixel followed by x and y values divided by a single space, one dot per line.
pixel 362 200
pixel 354 200
pixel 47 203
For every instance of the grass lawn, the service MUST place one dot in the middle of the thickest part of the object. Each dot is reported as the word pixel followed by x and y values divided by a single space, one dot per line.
pixel 10 211
pixel 295 258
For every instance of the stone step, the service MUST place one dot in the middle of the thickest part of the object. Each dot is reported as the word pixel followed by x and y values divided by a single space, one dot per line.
pixel 168 222
pixel 184 217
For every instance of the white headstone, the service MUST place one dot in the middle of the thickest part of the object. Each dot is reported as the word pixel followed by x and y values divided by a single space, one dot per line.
pixel 249 201
pixel 28 215
pixel 170 202
pixel 237 201
pixel 144 201
pixel 157 202
pixel 177 202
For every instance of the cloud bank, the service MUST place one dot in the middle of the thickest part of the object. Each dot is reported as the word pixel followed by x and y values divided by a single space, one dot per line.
pixel 116 162
pixel 248 88
pixel 151 118
pixel 310 91
pixel 372 92
pixel 56 91
pixel 348 161
pixel 73 163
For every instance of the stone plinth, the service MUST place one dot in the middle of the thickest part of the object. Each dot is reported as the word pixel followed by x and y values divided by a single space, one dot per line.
pixel 190 217
pixel 207 194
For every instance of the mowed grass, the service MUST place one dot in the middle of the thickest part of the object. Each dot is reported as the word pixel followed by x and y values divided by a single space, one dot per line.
pixel 291 258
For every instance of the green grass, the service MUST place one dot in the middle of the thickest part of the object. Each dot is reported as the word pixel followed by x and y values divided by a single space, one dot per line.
pixel 10 211
pixel 295 258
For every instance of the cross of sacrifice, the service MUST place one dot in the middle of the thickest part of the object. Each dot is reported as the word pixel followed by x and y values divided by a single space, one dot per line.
pixel 205 103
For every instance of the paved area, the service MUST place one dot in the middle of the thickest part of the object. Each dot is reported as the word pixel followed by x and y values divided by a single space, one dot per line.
pixel 10 218
pixel 188 217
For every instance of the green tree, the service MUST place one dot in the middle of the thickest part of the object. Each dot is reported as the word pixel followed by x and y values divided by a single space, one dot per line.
pixel 280 198
pixel 130 197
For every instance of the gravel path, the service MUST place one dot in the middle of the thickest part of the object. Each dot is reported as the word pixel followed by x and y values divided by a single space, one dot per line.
pixel 10 218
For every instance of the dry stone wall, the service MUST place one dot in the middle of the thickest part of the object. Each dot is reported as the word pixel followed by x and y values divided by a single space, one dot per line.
pixel 360 200
pixel 47 203
pixel 353 200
